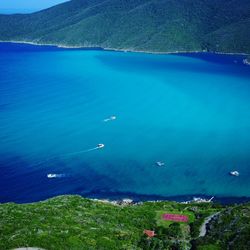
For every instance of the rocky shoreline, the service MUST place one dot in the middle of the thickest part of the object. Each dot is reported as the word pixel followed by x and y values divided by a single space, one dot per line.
pixel 125 50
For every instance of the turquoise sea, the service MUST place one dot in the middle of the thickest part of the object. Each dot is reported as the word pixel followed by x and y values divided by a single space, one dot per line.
pixel 190 111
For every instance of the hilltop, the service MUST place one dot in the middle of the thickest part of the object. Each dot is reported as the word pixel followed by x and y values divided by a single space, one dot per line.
pixel 140 25
pixel 73 222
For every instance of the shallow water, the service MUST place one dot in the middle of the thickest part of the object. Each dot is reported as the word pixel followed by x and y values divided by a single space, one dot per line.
pixel 190 111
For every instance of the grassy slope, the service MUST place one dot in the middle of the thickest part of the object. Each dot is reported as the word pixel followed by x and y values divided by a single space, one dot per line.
pixel 72 222
pixel 153 25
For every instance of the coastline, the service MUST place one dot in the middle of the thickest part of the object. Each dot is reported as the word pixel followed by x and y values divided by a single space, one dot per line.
pixel 184 199
pixel 92 47
pixel 134 199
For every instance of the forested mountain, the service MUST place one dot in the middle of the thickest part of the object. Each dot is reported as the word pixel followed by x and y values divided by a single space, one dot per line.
pixel 145 25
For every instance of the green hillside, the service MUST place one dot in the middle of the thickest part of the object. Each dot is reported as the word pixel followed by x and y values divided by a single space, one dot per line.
pixel 145 25
pixel 73 222
pixel 230 230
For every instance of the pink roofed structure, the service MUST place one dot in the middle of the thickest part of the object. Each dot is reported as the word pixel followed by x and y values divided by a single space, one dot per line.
pixel 149 233
pixel 175 217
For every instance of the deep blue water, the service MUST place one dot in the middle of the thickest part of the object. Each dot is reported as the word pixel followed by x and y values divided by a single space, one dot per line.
pixel 190 111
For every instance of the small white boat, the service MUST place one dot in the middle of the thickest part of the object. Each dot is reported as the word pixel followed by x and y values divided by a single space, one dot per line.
pixel 234 173
pixel 160 163
pixel 50 176
pixel 111 118
pixel 100 145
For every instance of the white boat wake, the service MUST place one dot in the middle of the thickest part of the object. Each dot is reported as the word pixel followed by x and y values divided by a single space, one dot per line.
pixel 54 176
pixel 99 146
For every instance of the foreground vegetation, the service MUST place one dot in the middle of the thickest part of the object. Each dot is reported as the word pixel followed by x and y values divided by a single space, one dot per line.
pixel 73 222
pixel 145 25
pixel 229 230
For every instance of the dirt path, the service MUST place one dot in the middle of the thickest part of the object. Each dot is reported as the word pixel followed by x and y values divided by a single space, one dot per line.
pixel 203 229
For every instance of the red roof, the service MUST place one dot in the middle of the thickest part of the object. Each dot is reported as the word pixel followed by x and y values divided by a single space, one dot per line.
pixel 175 217
pixel 149 233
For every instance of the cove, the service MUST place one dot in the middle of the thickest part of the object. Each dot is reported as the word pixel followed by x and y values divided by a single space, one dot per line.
pixel 190 111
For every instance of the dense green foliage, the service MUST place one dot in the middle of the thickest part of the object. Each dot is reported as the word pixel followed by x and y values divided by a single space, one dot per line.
pixel 73 222
pixel 229 230
pixel 145 25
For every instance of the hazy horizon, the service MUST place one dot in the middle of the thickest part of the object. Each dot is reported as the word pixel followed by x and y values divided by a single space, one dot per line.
pixel 24 6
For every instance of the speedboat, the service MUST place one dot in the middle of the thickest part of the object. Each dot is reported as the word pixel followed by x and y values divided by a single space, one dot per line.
pixel 111 118
pixel 234 173
pixel 160 163
pixel 51 176
pixel 100 145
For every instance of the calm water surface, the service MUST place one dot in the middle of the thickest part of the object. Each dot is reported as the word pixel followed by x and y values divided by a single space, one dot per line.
pixel 191 112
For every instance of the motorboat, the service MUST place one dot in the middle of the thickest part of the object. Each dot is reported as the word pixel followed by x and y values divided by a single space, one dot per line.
pixel 50 176
pixel 234 173
pixel 160 163
pixel 100 145
pixel 111 118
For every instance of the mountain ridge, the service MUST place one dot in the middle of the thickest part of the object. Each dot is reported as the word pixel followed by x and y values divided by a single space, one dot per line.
pixel 140 25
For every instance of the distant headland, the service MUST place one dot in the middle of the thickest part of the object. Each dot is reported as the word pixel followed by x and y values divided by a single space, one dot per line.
pixel 141 26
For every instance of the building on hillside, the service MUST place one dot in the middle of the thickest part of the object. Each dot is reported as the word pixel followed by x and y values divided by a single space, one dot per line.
pixel 149 233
